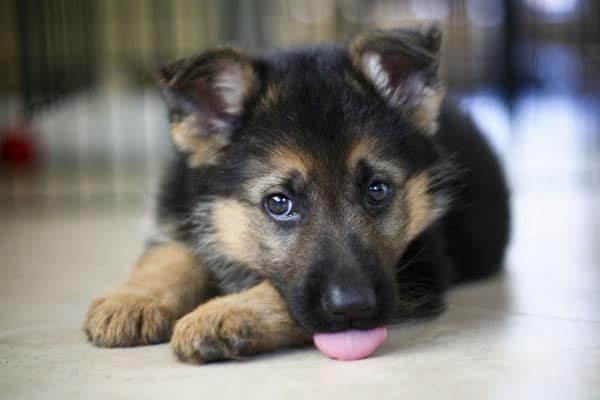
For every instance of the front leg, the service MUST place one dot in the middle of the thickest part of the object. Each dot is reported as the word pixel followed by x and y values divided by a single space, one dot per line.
pixel 237 325
pixel 166 283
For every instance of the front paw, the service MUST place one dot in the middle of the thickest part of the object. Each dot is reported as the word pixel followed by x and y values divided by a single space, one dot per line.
pixel 217 333
pixel 128 318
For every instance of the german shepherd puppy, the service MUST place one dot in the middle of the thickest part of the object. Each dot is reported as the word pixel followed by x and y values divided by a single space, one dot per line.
pixel 314 190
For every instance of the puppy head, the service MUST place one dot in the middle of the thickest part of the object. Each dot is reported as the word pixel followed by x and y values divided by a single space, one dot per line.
pixel 317 167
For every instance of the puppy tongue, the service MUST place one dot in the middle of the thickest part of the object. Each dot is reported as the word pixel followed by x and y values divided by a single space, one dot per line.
pixel 352 344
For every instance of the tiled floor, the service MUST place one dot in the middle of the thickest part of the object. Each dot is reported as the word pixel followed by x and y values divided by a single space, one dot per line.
pixel 533 332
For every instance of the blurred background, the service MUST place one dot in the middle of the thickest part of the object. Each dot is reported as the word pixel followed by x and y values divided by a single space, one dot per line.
pixel 83 128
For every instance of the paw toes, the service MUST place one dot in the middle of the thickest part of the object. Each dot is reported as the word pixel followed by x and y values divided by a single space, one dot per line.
pixel 209 351
pixel 242 346
pixel 156 325
pixel 114 323
pixel 207 338
pixel 239 335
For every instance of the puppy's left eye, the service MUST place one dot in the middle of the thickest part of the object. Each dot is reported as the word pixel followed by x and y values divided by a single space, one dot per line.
pixel 281 207
pixel 378 193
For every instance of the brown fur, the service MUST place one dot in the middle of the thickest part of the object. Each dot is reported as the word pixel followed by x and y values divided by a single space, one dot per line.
pixel 237 325
pixel 419 203
pixel 362 149
pixel 235 232
pixel 392 231
pixel 426 115
pixel 286 161
pixel 165 284
pixel 367 149
pixel 240 231
pixel 282 163
pixel 272 94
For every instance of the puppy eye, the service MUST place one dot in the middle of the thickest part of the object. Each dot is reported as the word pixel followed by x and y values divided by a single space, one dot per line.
pixel 377 193
pixel 280 207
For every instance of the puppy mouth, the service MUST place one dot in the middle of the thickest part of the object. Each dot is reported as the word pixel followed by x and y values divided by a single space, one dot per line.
pixel 349 339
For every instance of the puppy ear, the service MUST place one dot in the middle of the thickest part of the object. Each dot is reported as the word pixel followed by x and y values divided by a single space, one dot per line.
pixel 206 95
pixel 402 65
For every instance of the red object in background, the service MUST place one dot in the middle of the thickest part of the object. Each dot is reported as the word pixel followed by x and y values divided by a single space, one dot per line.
pixel 17 147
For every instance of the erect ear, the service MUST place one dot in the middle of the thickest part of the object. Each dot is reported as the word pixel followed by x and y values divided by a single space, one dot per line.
pixel 402 65
pixel 207 95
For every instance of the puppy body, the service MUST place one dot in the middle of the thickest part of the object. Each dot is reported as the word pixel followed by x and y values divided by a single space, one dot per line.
pixel 316 190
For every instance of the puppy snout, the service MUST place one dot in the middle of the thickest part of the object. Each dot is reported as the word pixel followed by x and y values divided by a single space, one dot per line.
pixel 350 302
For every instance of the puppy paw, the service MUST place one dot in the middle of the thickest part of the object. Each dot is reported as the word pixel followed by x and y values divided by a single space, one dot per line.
pixel 218 333
pixel 128 318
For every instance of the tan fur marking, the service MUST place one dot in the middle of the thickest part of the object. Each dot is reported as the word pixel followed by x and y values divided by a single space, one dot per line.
pixel 362 149
pixel 367 149
pixel 419 204
pixel 166 283
pixel 234 230
pixel 250 78
pixel 286 161
pixel 257 188
pixel 273 93
pixel 426 114
pixel 203 148
pixel 256 320
pixel 283 162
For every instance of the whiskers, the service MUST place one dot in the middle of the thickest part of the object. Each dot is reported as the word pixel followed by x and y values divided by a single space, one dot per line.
pixel 446 182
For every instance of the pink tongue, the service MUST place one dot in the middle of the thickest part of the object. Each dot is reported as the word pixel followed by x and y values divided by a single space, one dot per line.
pixel 351 344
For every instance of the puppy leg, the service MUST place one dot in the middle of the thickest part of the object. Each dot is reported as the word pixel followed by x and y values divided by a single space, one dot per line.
pixel 254 321
pixel 165 284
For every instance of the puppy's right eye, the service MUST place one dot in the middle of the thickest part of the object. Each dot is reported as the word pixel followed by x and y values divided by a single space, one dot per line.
pixel 377 193
pixel 281 207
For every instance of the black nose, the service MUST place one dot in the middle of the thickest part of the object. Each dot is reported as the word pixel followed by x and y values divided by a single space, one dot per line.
pixel 349 303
